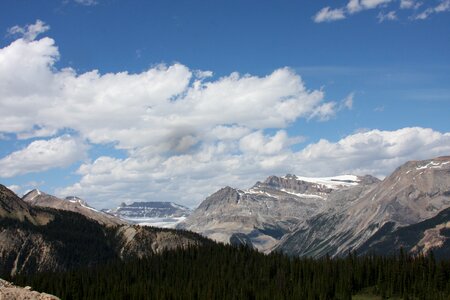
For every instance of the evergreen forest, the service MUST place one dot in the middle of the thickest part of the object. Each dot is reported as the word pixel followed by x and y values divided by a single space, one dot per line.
pixel 217 271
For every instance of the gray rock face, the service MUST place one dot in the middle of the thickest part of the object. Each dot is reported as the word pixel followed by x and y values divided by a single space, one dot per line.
pixel 430 235
pixel 71 203
pixel 9 291
pixel 414 192
pixel 267 211
pixel 142 210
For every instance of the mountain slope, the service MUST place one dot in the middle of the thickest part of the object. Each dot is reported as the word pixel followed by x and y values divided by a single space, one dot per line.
pixel 416 191
pixel 13 207
pixel 69 240
pixel 430 235
pixel 74 204
pixel 266 212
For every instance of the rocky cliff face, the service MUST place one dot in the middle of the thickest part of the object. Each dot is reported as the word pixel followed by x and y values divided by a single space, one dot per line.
pixel 74 204
pixel 68 240
pixel 414 192
pixel 269 210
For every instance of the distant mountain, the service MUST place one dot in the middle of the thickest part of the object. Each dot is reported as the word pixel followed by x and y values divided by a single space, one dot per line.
pixel 39 239
pixel 71 203
pixel 142 210
pixel 158 214
pixel 415 192
pixel 269 210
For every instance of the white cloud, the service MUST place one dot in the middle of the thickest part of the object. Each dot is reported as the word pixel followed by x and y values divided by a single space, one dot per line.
pixel 410 4
pixel 373 152
pixel 170 120
pixel 389 16
pixel 347 102
pixel 184 132
pixel 327 14
pixel 31 31
pixel 354 6
pixel 42 155
pixel 443 6
pixel 189 178
pixel 258 143
pixel 87 2
pixel 166 107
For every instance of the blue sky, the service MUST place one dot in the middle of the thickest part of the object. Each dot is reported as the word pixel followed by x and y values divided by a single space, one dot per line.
pixel 190 96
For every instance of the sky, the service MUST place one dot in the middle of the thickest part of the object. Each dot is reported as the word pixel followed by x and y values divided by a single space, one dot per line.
pixel 170 100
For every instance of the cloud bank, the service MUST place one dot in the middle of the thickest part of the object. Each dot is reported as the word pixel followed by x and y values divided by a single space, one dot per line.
pixel 185 133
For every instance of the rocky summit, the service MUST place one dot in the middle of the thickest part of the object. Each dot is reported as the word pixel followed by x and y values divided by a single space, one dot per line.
pixel 269 210
pixel 414 192
pixel 317 216
pixel 71 203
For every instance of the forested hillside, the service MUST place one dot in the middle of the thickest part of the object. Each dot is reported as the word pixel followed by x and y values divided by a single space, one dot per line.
pixel 226 272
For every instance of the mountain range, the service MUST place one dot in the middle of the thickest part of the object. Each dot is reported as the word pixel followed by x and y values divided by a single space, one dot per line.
pixel 299 216
pixel 319 216
pixel 158 214
pixel 35 236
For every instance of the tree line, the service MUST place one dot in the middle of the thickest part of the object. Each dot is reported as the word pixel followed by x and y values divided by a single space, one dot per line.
pixel 217 271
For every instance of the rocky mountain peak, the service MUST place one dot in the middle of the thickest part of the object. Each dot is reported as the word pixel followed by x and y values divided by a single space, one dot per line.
pixel 11 206
pixel 222 197
pixel 75 199
pixel 70 203
pixel 292 183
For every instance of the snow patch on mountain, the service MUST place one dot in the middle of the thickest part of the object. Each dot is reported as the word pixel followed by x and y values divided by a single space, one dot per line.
pixel 330 182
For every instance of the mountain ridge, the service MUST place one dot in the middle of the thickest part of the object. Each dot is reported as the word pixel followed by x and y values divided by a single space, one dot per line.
pixel 268 210
pixel 413 193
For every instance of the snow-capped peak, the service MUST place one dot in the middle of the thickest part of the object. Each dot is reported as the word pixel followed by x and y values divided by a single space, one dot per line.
pixel 330 182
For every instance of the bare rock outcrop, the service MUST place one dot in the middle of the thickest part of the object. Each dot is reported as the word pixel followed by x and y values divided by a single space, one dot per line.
pixel 9 291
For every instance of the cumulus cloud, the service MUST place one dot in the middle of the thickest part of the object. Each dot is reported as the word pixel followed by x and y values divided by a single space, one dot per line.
pixel 42 155
pixel 165 118
pixel 327 14
pixel 167 108
pixel 29 32
pixel 189 178
pixel 373 152
pixel 184 132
